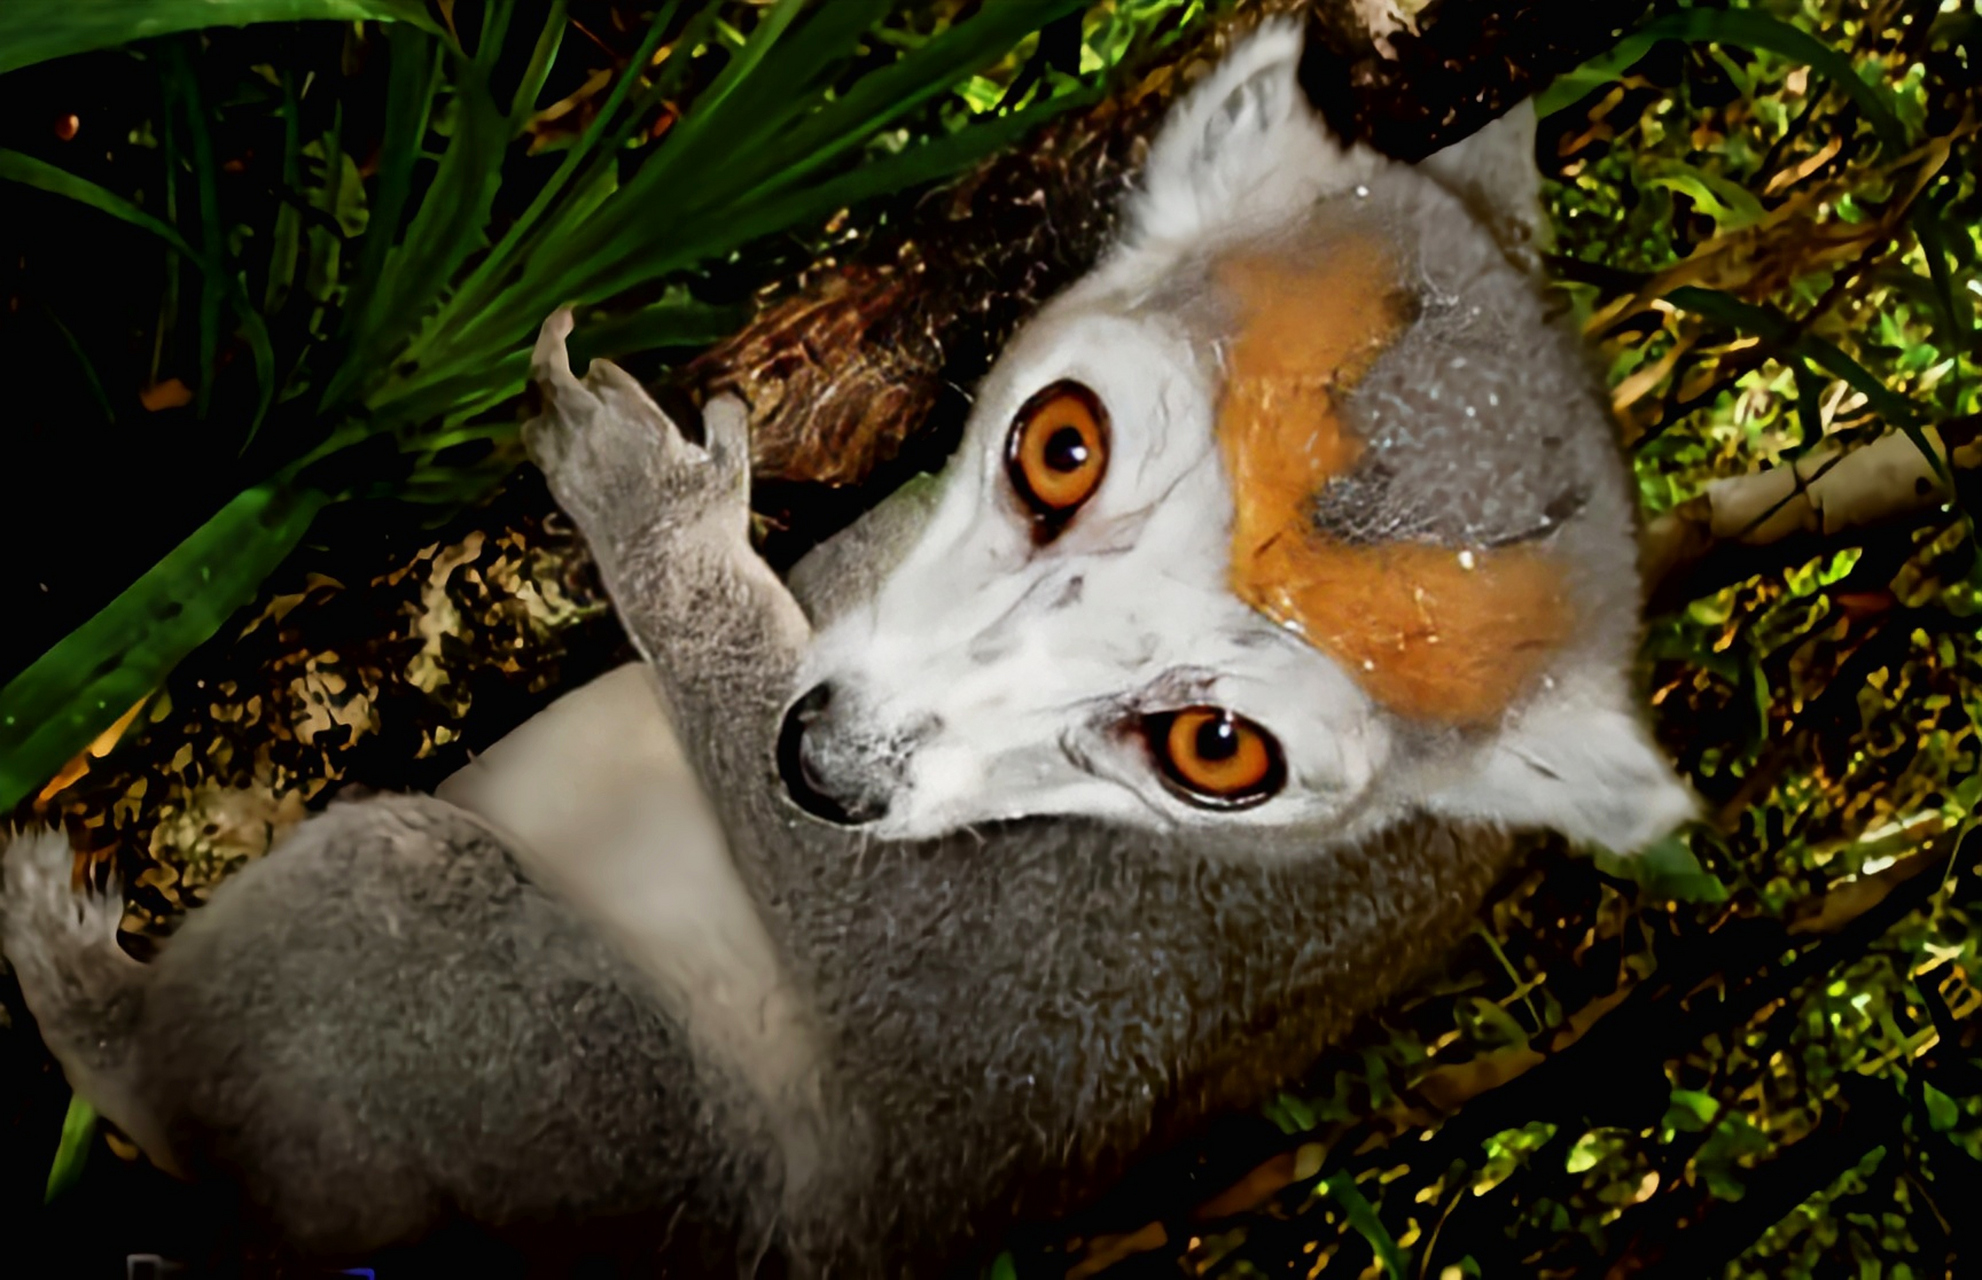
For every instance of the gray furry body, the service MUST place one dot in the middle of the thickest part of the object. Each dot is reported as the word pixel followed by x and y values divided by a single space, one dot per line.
pixel 385 1024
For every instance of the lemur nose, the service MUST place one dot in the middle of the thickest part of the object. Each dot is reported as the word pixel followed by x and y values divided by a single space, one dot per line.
pixel 799 766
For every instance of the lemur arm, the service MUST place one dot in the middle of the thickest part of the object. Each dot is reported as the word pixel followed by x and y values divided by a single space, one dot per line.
pixel 667 520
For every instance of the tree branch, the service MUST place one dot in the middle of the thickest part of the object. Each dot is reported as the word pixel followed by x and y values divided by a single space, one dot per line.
pixel 1789 514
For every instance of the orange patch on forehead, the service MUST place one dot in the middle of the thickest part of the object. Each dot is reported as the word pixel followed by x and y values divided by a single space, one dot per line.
pixel 1431 633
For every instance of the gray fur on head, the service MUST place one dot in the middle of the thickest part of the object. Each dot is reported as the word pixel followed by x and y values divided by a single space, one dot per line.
pixel 864 1056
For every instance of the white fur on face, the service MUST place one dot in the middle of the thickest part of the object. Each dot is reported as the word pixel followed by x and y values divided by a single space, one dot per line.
pixel 1020 671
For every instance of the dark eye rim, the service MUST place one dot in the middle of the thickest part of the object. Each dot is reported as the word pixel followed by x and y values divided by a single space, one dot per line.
pixel 1155 727
pixel 1048 521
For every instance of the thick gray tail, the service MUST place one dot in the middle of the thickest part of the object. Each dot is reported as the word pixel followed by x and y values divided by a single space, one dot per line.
pixel 86 994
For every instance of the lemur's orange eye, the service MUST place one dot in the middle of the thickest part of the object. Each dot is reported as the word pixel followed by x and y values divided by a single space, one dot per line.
pixel 1212 757
pixel 1058 452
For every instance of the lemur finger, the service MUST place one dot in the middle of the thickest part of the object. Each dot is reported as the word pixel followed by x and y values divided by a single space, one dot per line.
pixel 550 362
pixel 726 431
pixel 555 389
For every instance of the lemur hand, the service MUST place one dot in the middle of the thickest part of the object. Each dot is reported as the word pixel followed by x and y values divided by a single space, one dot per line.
pixel 620 467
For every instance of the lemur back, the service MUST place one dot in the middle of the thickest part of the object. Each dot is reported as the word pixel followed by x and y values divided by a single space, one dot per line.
pixel 1094 787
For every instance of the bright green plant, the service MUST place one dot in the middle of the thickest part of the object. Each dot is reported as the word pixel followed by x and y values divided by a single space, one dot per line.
pixel 426 327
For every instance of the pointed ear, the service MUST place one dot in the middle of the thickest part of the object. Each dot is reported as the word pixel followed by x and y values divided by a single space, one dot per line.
pixel 1495 174
pixel 1578 763
pixel 1242 149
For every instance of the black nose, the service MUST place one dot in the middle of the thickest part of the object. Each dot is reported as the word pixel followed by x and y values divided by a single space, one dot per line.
pixel 802 776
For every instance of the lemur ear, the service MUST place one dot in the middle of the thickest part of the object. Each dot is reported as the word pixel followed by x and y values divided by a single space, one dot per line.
pixel 1575 761
pixel 1494 172
pixel 1243 149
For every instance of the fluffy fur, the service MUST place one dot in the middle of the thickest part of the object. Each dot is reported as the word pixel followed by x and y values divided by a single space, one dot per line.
pixel 850 1050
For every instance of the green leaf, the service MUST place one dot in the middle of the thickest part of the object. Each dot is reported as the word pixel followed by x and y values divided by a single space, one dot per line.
pixel 1667 869
pixel 594 153
pixel 1298 1111
pixel 72 1152
pixel 1729 204
pixel 1690 1111
pixel 31 33
pixel 1362 1216
pixel 1943 1112
pixel 679 323
pixel 1570 87
pixel 924 163
pixel 77 689
pixel 25 169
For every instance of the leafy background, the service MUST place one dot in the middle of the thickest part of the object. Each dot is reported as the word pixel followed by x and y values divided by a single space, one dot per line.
pixel 1752 1052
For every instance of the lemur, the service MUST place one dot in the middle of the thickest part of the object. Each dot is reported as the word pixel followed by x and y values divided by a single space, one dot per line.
pixel 1285 570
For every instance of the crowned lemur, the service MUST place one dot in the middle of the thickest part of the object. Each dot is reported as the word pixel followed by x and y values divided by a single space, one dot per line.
pixel 1284 569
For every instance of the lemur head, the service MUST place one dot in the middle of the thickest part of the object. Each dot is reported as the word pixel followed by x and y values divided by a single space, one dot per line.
pixel 1297 511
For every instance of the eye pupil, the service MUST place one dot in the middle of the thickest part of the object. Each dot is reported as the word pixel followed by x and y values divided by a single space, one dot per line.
pixel 1056 454
pixel 1217 739
pixel 1214 758
pixel 1066 450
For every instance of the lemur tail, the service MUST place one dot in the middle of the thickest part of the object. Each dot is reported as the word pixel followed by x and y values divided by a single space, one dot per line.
pixel 85 993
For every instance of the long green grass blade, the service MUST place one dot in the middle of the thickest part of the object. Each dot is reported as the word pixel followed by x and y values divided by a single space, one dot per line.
pixel 924 163
pixel 412 69
pixel 450 225
pixel 76 690
pixel 709 156
pixel 740 136
pixel 665 324
pixel 87 365
pixel 709 165
pixel 470 302
pixel 766 34
pixel 762 156
pixel 549 41
pixel 31 33
pixel 182 91
pixel 880 99
pixel 286 239
pixel 25 169
pixel 72 1153
pixel 254 331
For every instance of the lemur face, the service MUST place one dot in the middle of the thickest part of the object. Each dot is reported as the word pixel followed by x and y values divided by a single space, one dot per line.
pixel 1298 511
